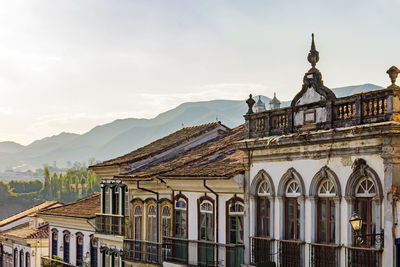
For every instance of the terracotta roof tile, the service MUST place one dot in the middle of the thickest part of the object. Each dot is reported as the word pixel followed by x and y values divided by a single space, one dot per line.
pixel 30 211
pixel 215 158
pixel 170 141
pixel 86 207
pixel 25 231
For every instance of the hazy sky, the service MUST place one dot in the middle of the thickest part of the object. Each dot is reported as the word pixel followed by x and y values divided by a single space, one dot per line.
pixel 71 65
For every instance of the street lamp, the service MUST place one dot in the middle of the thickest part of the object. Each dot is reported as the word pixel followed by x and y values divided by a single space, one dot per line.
pixel 356 221
pixel 356 224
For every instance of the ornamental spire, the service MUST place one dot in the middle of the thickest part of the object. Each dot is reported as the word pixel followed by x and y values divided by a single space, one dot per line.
pixel 313 56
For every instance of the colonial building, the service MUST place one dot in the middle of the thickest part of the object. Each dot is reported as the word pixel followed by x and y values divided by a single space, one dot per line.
pixel 24 237
pixel 71 233
pixel 314 164
pixel 177 200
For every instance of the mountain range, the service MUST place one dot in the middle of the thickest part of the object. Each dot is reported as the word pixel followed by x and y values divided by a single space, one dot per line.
pixel 124 135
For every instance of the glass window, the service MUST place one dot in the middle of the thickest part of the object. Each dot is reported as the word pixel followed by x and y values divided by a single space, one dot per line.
pixel 15 258
pixel 54 240
pixel 263 210
pixel 66 247
pixel 206 221
pixel 152 223
pixel 27 260
pixel 79 250
pixel 137 222
pixel 236 212
pixel 326 212
pixel 166 221
pixel 181 218
pixel 21 259
pixel 292 210
pixel 93 252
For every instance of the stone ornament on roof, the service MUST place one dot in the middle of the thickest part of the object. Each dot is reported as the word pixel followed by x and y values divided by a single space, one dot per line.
pixel 313 80
pixel 250 103
pixel 393 72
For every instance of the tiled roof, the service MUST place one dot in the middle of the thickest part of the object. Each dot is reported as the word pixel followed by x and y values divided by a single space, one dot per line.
pixel 30 211
pixel 26 231
pixel 215 158
pixel 170 141
pixel 86 207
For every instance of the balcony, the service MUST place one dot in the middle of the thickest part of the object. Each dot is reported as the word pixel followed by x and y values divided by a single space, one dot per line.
pixel 144 251
pixel 111 224
pixel 291 253
pixel 364 108
pixel 261 250
pixel 324 255
pixel 363 257
pixel 49 262
pixel 202 253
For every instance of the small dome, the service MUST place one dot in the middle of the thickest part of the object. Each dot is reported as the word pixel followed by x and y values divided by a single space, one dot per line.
pixel 274 103
pixel 260 106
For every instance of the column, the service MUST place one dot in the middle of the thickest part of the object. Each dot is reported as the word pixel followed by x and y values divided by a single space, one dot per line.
pixel 103 199
pixel 391 162
pixel 246 219
pixel 313 202
pixel 121 210
pixel 337 220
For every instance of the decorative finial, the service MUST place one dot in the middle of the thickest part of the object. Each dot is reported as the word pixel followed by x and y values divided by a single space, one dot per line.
pixel 313 56
pixel 393 72
pixel 250 103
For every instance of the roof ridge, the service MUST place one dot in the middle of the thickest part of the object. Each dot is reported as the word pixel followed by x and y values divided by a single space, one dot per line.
pixel 95 194
pixel 139 157
pixel 50 202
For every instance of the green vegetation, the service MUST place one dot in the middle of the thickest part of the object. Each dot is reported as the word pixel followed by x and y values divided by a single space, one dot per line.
pixel 65 187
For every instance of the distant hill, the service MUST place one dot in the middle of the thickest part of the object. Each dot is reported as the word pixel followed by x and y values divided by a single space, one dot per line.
pixel 124 135
pixel 10 147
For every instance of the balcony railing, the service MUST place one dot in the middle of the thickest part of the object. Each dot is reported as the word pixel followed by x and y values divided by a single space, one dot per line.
pixel 261 250
pixel 324 255
pixel 144 251
pixel 111 224
pixel 291 253
pixel 202 253
pixel 363 257
pixel 363 108
pixel 49 262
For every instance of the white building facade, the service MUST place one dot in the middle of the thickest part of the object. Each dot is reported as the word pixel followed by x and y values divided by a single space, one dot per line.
pixel 311 166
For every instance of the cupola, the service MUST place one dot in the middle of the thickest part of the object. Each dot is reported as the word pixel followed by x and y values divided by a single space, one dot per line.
pixel 274 103
pixel 260 106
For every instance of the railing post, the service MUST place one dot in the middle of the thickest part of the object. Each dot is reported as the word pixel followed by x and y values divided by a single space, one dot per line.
pixel 358 116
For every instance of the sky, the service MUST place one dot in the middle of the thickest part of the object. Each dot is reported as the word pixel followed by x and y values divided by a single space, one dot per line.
pixel 67 66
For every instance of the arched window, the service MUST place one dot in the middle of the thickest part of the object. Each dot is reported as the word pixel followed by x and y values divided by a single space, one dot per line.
pixel 27 260
pixel 21 258
pixel 235 211
pixel 54 242
pixel 326 213
pixel 79 249
pixel 180 251
pixel 292 210
pixel 263 209
pixel 181 217
pixel 206 217
pixel 94 244
pixel 151 223
pixel 137 222
pixel 66 241
pixel 15 258
pixel 166 221
pixel 365 206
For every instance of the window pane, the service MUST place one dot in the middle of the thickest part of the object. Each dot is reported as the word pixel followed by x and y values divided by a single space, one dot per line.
pixel 332 234
pixel 332 211
pixel 373 212
pixel 322 231
pixel 290 209
pixel 323 209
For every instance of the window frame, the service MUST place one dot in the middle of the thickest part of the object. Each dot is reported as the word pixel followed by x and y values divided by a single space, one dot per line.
pixel 177 198
pixel 78 236
pixel 66 234
pixel 137 203
pixel 200 201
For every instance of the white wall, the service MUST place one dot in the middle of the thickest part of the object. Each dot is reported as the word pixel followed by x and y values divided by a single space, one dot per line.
pixel 307 168
pixel 72 253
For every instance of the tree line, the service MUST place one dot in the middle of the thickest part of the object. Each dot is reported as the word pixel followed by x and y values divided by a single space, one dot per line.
pixel 63 186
